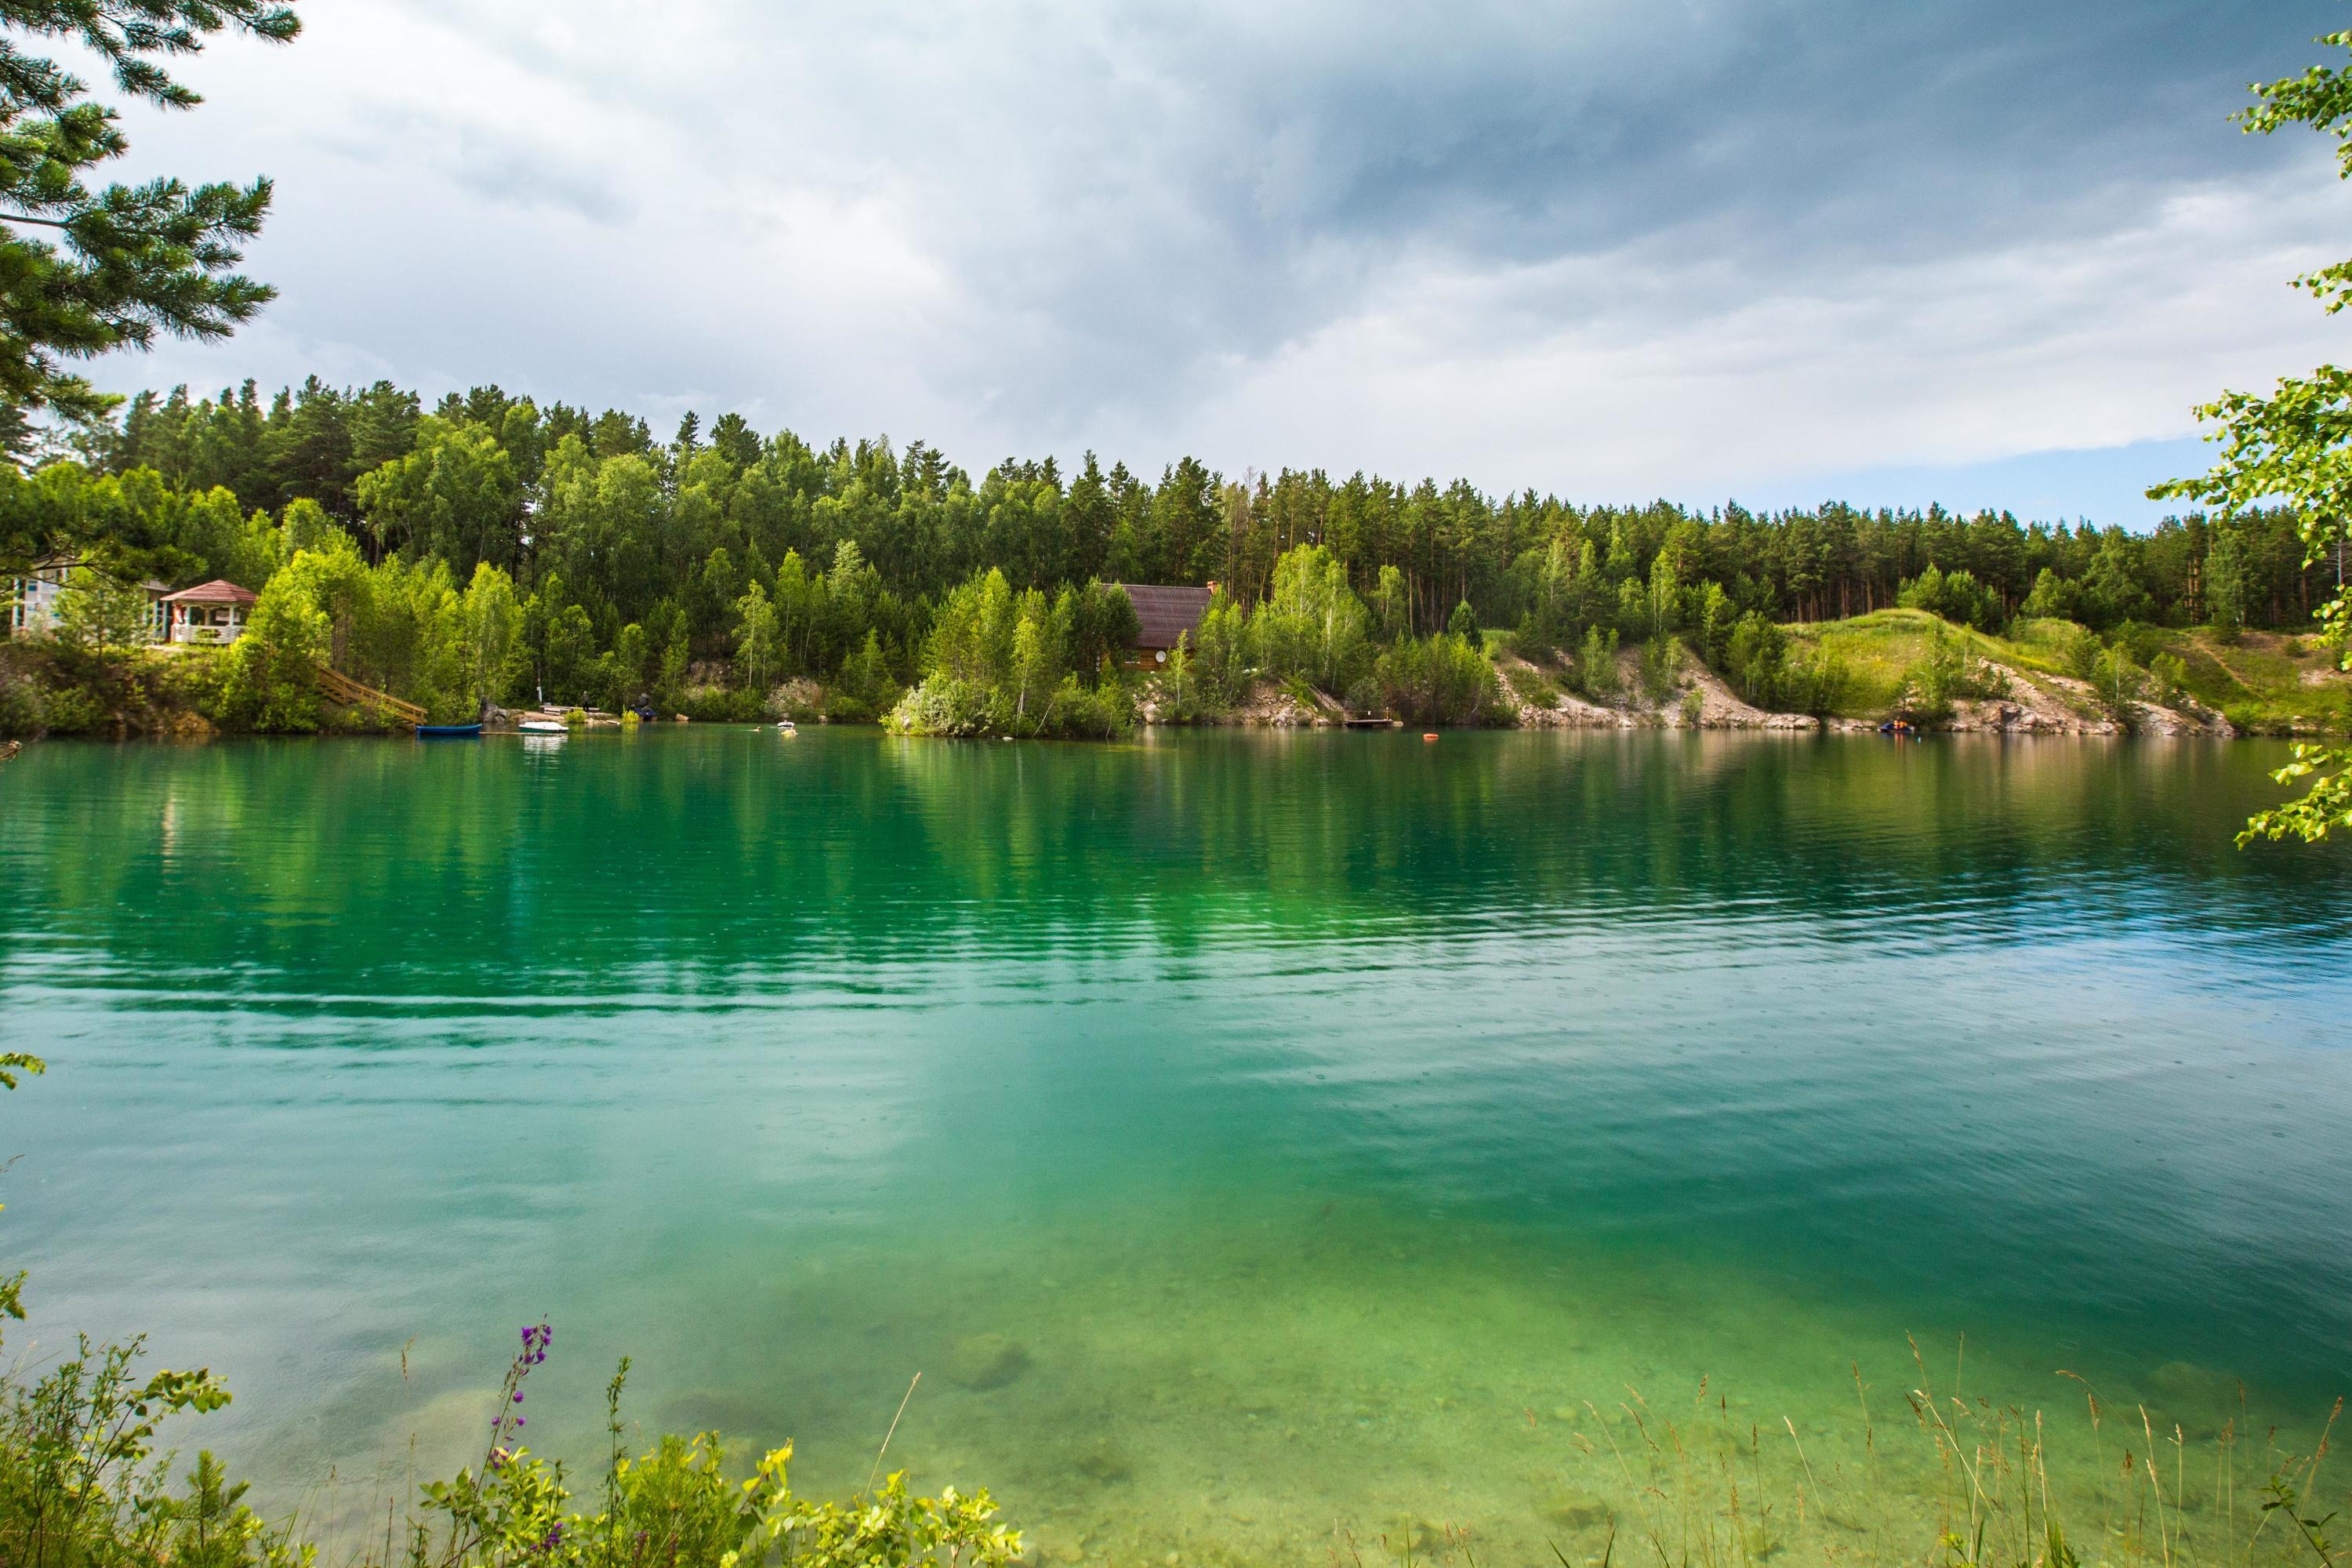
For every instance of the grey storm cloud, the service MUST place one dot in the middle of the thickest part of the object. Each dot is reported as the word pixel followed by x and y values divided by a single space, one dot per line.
pixel 1029 225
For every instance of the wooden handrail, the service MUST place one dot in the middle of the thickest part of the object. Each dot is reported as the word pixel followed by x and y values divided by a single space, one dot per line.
pixel 341 689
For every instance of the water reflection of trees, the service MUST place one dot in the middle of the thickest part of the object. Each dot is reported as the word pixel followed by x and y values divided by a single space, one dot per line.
pixel 619 864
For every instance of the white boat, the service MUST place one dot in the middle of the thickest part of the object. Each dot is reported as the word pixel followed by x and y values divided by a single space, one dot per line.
pixel 544 727
pixel 787 729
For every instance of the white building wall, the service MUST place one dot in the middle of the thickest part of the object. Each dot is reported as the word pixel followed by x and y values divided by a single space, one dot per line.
pixel 33 603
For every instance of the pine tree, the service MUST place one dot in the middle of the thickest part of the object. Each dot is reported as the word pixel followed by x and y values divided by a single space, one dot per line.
pixel 115 267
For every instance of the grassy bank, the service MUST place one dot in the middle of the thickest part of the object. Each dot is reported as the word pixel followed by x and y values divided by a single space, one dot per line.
pixel 2262 682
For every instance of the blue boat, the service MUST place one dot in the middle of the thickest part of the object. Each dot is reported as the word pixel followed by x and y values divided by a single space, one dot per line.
pixel 448 732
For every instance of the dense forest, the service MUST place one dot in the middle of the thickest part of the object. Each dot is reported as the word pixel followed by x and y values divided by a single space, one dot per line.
pixel 489 547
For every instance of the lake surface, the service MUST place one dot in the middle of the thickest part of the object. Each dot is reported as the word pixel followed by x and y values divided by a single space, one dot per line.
pixel 1247 1137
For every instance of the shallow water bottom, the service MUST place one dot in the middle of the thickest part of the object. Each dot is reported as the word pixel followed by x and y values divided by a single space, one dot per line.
pixel 1318 1381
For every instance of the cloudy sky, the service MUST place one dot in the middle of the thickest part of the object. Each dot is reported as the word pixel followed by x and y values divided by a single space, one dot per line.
pixel 1892 250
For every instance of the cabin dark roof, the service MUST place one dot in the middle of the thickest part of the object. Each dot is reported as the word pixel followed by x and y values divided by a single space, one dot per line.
pixel 1166 613
pixel 219 591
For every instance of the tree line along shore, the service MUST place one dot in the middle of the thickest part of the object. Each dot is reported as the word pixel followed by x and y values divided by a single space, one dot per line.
pixel 491 552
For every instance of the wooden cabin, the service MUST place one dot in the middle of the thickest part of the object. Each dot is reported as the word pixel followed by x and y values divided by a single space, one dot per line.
pixel 1162 615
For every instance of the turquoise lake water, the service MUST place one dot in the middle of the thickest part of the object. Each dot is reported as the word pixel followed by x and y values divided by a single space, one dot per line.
pixel 1256 1142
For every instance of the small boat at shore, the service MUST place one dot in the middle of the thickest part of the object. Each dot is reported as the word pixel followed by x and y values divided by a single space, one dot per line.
pixel 448 732
pixel 544 727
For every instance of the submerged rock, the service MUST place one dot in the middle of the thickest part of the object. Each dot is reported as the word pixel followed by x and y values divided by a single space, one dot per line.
pixel 2198 1399
pixel 727 1412
pixel 982 1361
pixel 1104 1463
pixel 1576 1511
pixel 2193 1384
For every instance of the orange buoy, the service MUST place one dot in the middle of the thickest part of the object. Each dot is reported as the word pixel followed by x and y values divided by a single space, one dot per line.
pixel 1431 736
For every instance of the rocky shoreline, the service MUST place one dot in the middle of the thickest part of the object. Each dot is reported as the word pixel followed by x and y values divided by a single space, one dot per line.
pixel 2029 705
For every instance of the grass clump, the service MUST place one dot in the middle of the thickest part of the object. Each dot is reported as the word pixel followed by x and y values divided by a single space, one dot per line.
pixel 1964 1483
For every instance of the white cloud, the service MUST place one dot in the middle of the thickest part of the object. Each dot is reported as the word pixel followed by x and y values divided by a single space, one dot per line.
pixel 1606 247
pixel 1671 379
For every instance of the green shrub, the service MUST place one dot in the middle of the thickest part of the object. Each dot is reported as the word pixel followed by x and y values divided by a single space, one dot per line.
pixel 1661 667
pixel 22 711
pixel 1596 665
pixel 944 705
pixel 2168 678
pixel 720 705
pixel 2115 677
pixel 1532 687
pixel 1074 713
pixel 1756 660
pixel 1443 680
pixel 2077 649
pixel 1816 681
pixel 71 710
pixel 1958 597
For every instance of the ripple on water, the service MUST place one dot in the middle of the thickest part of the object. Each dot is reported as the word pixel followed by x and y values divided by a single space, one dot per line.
pixel 1336 1133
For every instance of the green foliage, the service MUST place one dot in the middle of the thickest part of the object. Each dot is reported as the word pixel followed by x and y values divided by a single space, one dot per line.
pixel 125 263
pixel 2116 677
pixel 1314 628
pixel 1958 597
pixel 1443 680
pixel 2295 444
pixel 2326 803
pixel 273 683
pixel 1391 608
pixel 1225 651
pixel 865 688
pixel 1531 686
pixel 669 681
pixel 77 1484
pixel 2168 678
pixel 1660 666
pixel 1945 672
pixel 1010 663
pixel 23 712
pixel 1596 675
pixel 945 704
pixel 755 636
pixel 492 633
pixel 1756 660
pixel 455 495
pixel 100 612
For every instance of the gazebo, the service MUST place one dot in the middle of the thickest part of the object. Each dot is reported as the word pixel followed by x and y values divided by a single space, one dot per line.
pixel 211 612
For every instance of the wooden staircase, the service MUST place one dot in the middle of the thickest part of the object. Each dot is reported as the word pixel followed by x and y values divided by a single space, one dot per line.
pixel 342 690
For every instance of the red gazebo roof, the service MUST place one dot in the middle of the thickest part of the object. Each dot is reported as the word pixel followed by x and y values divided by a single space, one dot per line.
pixel 219 591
